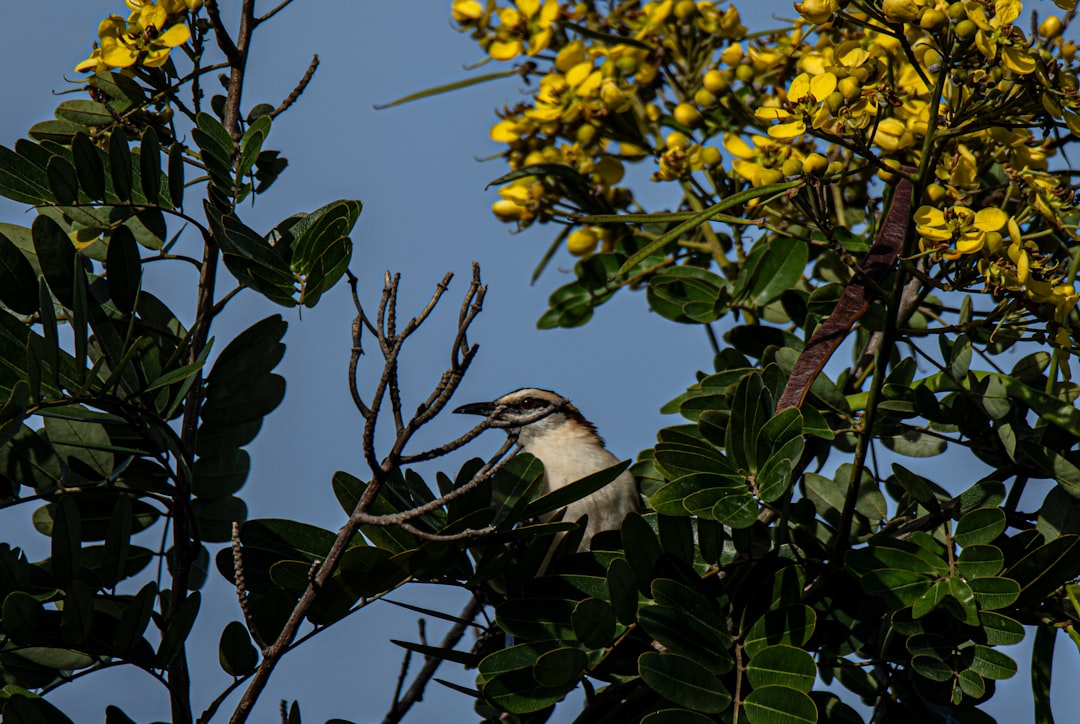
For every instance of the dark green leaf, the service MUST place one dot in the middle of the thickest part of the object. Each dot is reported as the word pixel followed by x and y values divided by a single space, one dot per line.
pixel 782 666
pixel 594 623
pixel 66 541
pixel 981 525
pixel 978 561
pixel 63 180
pixel 124 269
pixel 1042 667
pixel 1046 568
pixel 178 628
pixel 790 625
pixel 1000 630
pixel 992 664
pixel 150 165
pixel 993 592
pixel 776 704
pixel 683 681
pixel 235 653
pixel 931 668
pixel 18 282
pixel 120 164
pixel 56 254
pixel 780 269
pixel 89 166
pixel 560 668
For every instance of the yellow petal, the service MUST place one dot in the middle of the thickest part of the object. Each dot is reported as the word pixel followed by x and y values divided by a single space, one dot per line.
pixel 505 50
pixel 933 233
pixel 929 215
pixel 970 243
pixel 822 85
pixel 990 219
pixel 788 130
pixel 1018 61
pixel 1006 11
pixel 504 132
pixel 772 114
pixel 737 147
pixel 800 87
pixel 174 36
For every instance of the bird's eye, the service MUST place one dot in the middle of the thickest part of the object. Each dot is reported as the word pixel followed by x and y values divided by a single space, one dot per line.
pixel 528 403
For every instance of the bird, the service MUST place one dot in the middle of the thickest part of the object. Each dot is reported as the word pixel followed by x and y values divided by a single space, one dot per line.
pixel 551 429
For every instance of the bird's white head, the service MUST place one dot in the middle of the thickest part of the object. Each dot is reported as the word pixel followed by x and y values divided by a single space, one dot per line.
pixel 533 414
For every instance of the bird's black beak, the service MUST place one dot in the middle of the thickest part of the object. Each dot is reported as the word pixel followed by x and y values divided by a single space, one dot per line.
pixel 476 408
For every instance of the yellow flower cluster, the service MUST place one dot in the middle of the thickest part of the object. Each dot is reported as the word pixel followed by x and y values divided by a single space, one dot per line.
pixel 954 91
pixel 146 37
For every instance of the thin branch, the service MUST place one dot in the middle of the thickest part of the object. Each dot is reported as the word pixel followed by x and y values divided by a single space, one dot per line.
pixel 302 85
pixel 273 12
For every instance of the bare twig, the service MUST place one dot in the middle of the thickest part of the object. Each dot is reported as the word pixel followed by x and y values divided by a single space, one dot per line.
pixel 302 85
pixel 391 341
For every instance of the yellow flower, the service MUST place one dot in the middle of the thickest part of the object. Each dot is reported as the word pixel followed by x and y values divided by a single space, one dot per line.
pixel 817 11
pixel 525 28
pixel 466 11
pixel 142 38
pixel 998 33
pixel 959 226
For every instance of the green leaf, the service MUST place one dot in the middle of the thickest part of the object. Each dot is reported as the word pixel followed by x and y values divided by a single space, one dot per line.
pixel 575 491
pixel 322 248
pixel 980 526
pixel 678 633
pixel 622 590
pixel 150 165
pixel 290 538
pixel 20 180
pixel 236 654
pixel 898 588
pixel 780 269
pixel 992 664
pixel 683 681
pixel 124 269
pixel 914 444
pixel 1042 667
pixel 120 164
pixel 964 594
pixel 931 668
pixel 993 592
pixel 178 627
pixel 560 668
pixel 978 561
pixel 63 181
pixel 90 114
pixel 82 442
pixel 117 541
pixel 594 623
pixel 537 618
pixel 676 716
pixel 1047 568
pixel 782 666
pixel 66 541
pixel 918 487
pixel 89 166
pixel 1000 630
pixel 18 282
pixel 789 625
pixel 56 255
pixel 23 616
pixel 779 705
pixel 176 175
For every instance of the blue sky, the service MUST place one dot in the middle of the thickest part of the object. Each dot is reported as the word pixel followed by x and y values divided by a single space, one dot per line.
pixel 426 211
